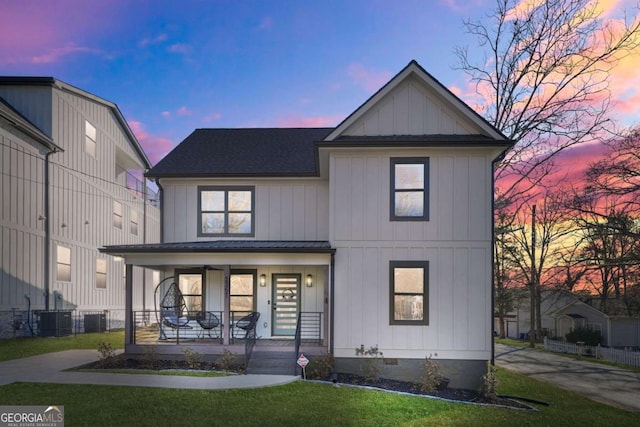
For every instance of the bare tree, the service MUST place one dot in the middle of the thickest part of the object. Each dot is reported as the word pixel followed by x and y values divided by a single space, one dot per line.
pixel 537 248
pixel 544 78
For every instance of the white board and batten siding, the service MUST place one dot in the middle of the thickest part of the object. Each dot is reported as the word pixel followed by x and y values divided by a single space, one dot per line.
pixel 21 230
pixel 83 189
pixel 284 209
pixel 456 241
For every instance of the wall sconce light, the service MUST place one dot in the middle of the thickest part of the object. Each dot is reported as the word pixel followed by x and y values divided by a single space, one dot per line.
pixel 63 225
pixel 309 280
pixel 41 218
pixel 263 280
pixel 86 222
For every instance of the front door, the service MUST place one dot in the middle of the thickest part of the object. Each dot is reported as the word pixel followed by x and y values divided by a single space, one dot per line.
pixel 286 303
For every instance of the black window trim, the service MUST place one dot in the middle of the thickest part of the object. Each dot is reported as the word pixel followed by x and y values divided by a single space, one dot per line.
pixel 203 287
pixel 252 272
pixel 425 304
pixel 392 188
pixel 226 189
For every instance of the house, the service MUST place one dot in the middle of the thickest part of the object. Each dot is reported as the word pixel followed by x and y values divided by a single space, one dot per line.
pixel 69 163
pixel 563 312
pixel 375 233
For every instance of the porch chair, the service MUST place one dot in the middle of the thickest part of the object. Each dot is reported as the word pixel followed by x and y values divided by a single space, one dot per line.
pixel 173 311
pixel 247 323
pixel 209 322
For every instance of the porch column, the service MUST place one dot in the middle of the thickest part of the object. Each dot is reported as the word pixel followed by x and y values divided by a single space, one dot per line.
pixel 227 305
pixel 128 305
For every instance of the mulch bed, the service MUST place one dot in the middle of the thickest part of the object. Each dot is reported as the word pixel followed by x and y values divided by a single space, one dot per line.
pixel 453 394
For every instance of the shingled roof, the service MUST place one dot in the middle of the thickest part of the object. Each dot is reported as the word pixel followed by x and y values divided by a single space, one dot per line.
pixel 243 152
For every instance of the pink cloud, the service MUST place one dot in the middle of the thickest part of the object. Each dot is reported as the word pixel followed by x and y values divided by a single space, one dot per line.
pixel 56 54
pixel 166 114
pixel 304 122
pixel 156 147
pixel 183 111
pixel 370 80
pixel 38 36
pixel 212 117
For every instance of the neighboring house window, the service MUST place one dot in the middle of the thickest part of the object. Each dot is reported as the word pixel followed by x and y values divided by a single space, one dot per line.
pixel 134 223
pixel 409 189
pixel 63 263
pixel 117 215
pixel 409 302
pixel 226 211
pixel 101 273
pixel 190 284
pixel 242 290
pixel 90 139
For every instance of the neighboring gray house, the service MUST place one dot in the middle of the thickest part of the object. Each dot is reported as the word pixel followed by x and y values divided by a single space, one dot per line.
pixel 377 232
pixel 563 312
pixel 67 159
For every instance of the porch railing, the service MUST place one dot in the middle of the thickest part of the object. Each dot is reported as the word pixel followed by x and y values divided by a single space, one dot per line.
pixel 309 329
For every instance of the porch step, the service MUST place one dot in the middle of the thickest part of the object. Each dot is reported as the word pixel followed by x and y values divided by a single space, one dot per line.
pixel 272 362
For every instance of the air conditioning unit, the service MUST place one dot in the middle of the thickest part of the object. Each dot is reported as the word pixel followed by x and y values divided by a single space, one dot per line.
pixel 55 323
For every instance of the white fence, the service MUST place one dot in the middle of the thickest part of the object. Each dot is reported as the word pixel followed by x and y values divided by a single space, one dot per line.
pixel 624 357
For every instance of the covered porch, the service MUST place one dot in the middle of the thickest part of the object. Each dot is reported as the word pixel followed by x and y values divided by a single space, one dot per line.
pixel 230 295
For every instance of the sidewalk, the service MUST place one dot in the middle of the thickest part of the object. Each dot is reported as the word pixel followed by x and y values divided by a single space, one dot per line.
pixel 607 384
pixel 50 368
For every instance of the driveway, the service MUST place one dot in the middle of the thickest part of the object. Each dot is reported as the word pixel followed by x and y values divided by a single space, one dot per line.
pixel 607 384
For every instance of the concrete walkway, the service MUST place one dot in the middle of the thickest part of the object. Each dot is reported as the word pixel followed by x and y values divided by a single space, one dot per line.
pixel 607 384
pixel 50 368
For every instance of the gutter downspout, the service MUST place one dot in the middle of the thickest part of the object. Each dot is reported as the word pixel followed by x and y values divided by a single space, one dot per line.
pixel 494 162
pixel 161 206
pixel 47 232
pixel 331 302
pixel 144 240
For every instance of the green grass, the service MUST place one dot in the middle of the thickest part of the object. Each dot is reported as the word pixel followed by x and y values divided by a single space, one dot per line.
pixel 24 347
pixel 516 343
pixel 299 403
pixel 306 403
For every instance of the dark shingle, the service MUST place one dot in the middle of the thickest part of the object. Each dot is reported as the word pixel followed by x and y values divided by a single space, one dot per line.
pixel 243 152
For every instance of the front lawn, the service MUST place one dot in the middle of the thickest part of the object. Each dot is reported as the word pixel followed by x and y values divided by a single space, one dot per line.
pixel 299 403
pixel 308 403
pixel 18 348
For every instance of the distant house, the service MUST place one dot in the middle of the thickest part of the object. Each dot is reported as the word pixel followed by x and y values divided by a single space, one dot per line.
pixel 375 233
pixel 68 161
pixel 563 312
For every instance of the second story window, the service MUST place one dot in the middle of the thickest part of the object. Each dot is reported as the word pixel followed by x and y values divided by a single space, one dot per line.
pixel 134 223
pixel 90 139
pixel 409 189
pixel 226 211
pixel 117 215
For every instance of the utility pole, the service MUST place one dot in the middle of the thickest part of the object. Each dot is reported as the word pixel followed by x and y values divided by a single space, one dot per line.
pixel 532 289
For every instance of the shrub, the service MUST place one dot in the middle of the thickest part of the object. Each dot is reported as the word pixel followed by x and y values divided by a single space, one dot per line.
pixel 320 367
pixel 227 362
pixel 431 375
pixel 150 358
pixel 587 336
pixel 371 362
pixel 489 383
pixel 193 358
pixel 107 354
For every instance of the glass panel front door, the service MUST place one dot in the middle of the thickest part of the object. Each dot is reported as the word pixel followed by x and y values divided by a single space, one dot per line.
pixel 286 289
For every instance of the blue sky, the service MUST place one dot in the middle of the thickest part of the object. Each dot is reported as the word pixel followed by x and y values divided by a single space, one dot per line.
pixel 174 66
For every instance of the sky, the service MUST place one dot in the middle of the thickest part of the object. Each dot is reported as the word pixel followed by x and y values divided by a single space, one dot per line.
pixel 175 66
